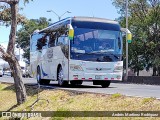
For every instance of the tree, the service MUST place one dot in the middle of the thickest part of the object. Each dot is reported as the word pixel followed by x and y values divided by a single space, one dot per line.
pixel 23 35
pixel 145 25
pixel 9 55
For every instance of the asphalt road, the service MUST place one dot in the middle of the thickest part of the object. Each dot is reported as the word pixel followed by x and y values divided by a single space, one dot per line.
pixel 136 90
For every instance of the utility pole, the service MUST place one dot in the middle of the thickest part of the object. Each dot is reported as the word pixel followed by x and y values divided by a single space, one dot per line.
pixel 126 77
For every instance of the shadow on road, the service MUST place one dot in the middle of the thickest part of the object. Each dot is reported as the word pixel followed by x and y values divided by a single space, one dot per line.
pixel 53 85
pixel 75 86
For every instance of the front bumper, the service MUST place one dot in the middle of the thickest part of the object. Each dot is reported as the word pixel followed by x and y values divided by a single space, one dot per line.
pixel 96 76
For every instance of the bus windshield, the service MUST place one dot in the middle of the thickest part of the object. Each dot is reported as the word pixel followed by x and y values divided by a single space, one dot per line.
pixel 99 42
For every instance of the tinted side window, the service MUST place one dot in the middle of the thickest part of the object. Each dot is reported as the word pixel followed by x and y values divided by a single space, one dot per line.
pixel 33 42
pixel 42 41
pixel 60 41
pixel 63 40
pixel 52 39
pixel 62 36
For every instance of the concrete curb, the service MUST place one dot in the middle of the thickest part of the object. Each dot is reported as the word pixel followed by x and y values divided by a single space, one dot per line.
pixel 149 80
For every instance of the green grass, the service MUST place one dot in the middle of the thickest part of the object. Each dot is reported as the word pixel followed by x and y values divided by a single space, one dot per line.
pixel 116 95
pixel 60 100
pixel 148 100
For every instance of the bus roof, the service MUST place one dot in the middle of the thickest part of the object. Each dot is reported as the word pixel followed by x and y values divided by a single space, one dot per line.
pixel 57 24
pixel 94 19
pixel 76 19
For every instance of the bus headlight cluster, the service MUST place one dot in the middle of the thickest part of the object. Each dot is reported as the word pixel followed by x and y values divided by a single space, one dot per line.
pixel 118 68
pixel 74 67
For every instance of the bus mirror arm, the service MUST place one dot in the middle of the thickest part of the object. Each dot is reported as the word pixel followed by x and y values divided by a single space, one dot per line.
pixel 128 33
pixel 125 30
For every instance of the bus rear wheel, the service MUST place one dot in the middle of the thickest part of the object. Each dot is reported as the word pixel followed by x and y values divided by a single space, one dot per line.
pixel 46 82
pixel 61 82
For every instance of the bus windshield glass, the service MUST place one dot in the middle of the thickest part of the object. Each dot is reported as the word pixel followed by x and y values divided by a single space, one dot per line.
pixel 96 42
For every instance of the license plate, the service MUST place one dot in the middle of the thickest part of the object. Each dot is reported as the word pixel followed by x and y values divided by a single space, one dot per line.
pixel 99 77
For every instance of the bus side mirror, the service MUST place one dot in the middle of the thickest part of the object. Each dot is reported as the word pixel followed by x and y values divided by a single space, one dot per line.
pixel 129 37
pixel 71 32
pixel 128 34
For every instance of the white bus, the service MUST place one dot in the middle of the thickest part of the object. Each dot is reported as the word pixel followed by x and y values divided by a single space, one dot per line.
pixel 77 49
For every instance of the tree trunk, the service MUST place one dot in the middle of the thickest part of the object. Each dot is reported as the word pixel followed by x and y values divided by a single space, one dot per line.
pixel 154 71
pixel 137 72
pixel 10 56
pixel 158 71
pixel 17 75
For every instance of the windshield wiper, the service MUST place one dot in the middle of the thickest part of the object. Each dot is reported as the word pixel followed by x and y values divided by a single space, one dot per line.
pixel 89 53
pixel 102 52
pixel 114 55
pixel 98 52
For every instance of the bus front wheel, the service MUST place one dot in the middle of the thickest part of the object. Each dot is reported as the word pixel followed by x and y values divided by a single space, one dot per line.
pixel 40 80
pixel 105 84
pixel 77 82
pixel 61 82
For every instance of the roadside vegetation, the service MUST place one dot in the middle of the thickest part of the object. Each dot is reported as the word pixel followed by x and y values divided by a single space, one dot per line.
pixel 144 24
pixel 60 100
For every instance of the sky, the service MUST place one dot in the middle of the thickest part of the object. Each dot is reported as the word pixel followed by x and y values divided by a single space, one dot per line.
pixel 38 8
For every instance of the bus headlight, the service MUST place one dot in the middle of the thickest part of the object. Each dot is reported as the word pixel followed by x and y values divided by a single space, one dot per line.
pixel 118 68
pixel 76 67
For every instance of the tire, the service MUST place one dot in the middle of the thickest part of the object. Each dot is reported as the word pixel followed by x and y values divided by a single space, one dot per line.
pixel 61 82
pixel 46 82
pixel 0 75
pixel 78 82
pixel 105 84
pixel 40 80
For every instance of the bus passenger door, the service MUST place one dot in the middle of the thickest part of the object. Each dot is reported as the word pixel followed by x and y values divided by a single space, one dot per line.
pixel 50 63
pixel 44 62
pixel 52 66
